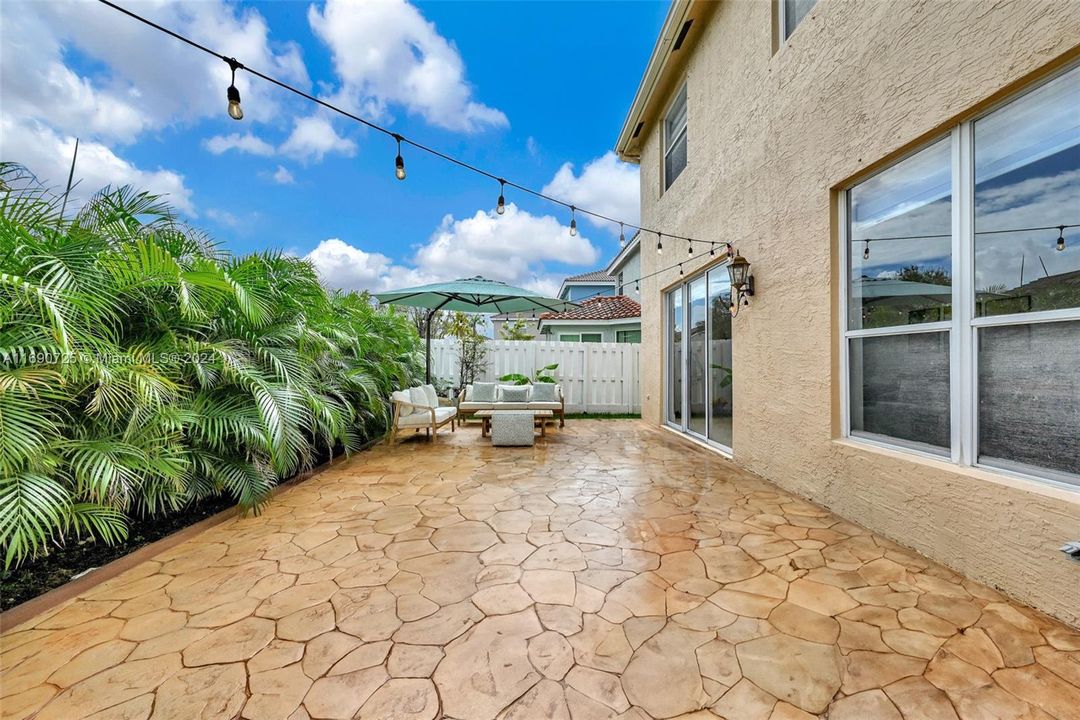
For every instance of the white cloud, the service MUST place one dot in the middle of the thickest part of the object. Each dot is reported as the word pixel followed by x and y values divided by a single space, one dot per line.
pixel 512 247
pixel 247 143
pixel 282 176
pixel 386 54
pixel 606 185
pixel 313 137
pixel 341 265
pixel 223 217
pixel 48 155
pixel 141 82
pixel 532 147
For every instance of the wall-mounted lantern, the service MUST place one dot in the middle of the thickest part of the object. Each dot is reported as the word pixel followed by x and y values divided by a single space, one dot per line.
pixel 742 282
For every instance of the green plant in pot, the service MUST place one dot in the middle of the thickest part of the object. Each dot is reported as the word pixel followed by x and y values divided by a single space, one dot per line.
pixel 545 374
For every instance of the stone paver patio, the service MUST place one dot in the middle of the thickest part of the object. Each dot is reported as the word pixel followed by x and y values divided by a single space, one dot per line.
pixel 612 571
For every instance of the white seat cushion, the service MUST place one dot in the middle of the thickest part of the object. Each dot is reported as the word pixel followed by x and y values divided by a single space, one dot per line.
pixel 469 405
pixel 415 420
pixel 510 406
pixel 444 413
pixel 545 406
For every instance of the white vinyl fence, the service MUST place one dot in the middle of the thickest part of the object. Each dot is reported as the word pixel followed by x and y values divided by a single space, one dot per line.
pixel 595 377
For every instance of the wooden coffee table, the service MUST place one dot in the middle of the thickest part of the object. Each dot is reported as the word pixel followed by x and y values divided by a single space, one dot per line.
pixel 538 415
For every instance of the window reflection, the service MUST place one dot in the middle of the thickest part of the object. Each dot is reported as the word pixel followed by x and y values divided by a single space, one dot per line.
pixel 720 361
pixel 698 342
pixel 1027 175
pixel 900 250
pixel 675 367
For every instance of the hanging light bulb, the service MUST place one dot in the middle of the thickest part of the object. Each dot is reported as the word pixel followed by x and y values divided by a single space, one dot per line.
pixel 690 248
pixel 501 206
pixel 235 111
pixel 728 250
pixel 1061 238
pixel 622 236
pixel 866 251
pixel 637 286
pixel 680 269
pixel 399 162
pixel 659 243
pixel 573 221
pixel 712 249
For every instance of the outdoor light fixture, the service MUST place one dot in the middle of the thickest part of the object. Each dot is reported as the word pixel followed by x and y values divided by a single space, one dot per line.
pixel 235 111
pixel 1061 238
pixel 573 221
pixel 622 236
pixel 659 243
pixel 399 162
pixel 742 282
pixel 712 249
pixel 866 251
pixel 690 248
pixel 501 206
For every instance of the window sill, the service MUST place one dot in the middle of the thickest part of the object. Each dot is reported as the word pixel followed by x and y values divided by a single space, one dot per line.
pixel 1046 488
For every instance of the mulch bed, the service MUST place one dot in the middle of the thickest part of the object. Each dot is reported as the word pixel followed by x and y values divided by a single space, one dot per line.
pixel 38 576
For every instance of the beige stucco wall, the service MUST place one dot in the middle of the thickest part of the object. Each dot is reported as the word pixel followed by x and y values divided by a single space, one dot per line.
pixel 771 137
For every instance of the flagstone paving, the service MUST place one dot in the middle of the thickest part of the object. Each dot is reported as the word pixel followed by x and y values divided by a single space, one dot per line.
pixel 611 571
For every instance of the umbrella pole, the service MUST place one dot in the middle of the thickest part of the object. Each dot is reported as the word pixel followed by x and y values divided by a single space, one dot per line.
pixel 427 360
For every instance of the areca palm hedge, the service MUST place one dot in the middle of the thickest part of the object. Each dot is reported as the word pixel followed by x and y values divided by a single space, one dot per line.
pixel 142 368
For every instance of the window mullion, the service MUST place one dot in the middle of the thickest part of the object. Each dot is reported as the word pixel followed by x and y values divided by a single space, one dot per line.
pixel 964 375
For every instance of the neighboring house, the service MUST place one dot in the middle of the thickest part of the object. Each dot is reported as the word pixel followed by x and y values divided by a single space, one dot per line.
pixel 896 174
pixel 587 285
pixel 626 269
pixel 530 323
pixel 600 319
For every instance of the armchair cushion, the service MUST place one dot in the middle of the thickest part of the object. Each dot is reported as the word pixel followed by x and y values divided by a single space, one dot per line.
pixel 482 392
pixel 404 396
pixel 419 397
pixel 431 395
pixel 513 393
pixel 543 392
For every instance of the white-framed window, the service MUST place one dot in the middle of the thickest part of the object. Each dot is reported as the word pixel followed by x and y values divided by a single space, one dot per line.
pixel 592 337
pixel 791 14
pixel 628 336
pixel 675 139
pixel 961 312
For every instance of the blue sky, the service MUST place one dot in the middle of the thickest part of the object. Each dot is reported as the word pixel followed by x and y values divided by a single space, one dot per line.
pixel 535 91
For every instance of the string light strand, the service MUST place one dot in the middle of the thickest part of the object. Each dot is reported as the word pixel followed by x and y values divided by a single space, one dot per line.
pixel 402 140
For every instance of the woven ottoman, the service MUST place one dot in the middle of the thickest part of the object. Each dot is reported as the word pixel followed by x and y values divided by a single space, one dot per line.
pixel 512 427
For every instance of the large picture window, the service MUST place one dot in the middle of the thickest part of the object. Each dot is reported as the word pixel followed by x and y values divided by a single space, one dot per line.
pixel 962 306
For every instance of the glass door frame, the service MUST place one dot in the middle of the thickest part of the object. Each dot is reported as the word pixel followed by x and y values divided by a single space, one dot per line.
pixel 683 289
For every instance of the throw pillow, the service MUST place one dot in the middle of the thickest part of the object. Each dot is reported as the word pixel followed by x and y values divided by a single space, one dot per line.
pixel 432 396
pixel 544 392
pixel 483 392
pixel 417 396
pixel 513 393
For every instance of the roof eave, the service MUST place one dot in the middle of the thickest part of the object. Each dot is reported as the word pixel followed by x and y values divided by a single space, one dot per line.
pixel 663 62
pixel 625 254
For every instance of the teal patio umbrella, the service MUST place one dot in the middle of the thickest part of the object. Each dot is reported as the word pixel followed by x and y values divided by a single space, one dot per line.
pixel 472 295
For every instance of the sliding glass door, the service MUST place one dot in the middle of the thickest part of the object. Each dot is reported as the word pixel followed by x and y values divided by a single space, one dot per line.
pixel 697 392
pixel 698 358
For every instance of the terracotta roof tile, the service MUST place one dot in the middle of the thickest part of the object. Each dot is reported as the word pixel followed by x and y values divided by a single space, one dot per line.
pixel 605 307
pixel 599 276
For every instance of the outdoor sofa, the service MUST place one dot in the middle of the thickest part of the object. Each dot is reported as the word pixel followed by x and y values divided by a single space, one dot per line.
pixel 493 396
pixel 421 407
